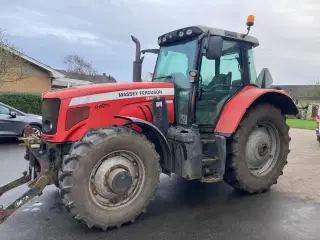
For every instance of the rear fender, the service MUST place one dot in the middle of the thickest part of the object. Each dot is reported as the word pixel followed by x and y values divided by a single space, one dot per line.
pixel 155 136
pixel 248 97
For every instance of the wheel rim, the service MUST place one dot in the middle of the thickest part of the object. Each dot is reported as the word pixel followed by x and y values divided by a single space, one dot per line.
pixel 36 131
pixel 262 149
pixel 117 179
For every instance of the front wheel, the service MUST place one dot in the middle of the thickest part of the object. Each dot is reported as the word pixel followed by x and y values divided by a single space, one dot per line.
pixel 109 177
pixel 257 153
pixel 36 129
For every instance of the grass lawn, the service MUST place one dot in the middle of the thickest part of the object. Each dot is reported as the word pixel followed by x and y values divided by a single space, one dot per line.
pixel 304 124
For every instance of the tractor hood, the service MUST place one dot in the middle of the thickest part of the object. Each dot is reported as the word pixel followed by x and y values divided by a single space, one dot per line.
pixel 137 89
pixel 69 113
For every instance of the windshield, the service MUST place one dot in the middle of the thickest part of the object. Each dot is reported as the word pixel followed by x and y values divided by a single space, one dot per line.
pixel 175 62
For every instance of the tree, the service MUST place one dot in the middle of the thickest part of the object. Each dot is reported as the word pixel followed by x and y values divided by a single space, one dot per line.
pixel 77 65
pixel 12 66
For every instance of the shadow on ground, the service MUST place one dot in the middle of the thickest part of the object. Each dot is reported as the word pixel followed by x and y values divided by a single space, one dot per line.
pixel 9 141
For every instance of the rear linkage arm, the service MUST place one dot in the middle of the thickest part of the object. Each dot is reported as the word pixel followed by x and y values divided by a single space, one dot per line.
pixel 36 185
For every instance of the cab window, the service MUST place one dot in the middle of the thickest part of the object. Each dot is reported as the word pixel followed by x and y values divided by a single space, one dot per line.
pixel 252 68
pixel 219 80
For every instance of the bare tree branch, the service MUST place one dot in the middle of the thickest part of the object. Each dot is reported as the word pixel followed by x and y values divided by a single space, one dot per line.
pixel 12 66
pixel 77 65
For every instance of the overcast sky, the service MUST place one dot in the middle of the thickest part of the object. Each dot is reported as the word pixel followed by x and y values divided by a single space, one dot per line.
pixel 99 30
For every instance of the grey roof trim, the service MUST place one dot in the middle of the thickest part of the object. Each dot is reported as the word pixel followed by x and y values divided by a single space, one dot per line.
pixel 64 82
pixel 302 91
pixel 221 32
pixel 53 73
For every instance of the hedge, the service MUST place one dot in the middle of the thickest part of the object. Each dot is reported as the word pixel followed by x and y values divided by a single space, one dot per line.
pixel 23 101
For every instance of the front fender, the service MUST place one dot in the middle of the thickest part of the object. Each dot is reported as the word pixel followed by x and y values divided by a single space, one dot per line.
pixel 155 136
pixel 249 96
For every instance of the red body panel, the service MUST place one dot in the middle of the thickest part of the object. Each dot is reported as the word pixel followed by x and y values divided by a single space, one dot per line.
pixel 102 112
pixel 102 88
pixel 234 110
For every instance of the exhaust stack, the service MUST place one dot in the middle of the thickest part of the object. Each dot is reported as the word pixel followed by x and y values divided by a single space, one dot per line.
pixel 137 63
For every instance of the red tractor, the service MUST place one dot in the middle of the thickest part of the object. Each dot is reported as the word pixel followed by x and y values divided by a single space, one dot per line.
pixel 205 116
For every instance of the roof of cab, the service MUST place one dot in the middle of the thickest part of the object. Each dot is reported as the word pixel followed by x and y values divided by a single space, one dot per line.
pixel 229 34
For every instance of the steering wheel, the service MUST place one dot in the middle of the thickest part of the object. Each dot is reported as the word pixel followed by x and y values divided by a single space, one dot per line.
pixel 214 86
pixel 180 80
pixel 223 80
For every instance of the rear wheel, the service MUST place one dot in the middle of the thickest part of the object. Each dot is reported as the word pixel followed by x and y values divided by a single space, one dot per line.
pixel 257 153
pixel 109 177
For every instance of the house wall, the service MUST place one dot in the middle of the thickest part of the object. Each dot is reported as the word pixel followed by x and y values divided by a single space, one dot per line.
pixel 303 102
pixel 36 80
pixel 312 112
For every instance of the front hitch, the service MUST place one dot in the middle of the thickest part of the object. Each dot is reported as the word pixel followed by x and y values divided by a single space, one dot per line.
pixel 36 183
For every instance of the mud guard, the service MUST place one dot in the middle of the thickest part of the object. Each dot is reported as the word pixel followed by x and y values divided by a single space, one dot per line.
pixel 155 136
pixel 246 98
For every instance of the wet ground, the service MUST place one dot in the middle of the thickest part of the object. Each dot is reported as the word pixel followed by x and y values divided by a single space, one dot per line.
pixel 184 209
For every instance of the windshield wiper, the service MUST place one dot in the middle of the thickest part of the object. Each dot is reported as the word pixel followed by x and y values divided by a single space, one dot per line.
pixel 168 76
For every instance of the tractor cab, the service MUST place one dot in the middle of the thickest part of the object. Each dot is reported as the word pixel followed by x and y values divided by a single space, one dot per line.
pixel 208 66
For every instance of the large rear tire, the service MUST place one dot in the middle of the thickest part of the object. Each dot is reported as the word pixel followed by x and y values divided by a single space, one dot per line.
pixel 257 152
pixel 109 177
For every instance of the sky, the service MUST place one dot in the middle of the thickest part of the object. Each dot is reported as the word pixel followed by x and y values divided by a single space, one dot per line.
pixel 99 31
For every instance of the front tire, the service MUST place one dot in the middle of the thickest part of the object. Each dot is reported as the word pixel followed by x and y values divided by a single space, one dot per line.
pixel 109 177
pixel 257 153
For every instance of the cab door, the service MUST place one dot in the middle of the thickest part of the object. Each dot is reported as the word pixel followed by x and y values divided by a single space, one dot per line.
pixel 219 80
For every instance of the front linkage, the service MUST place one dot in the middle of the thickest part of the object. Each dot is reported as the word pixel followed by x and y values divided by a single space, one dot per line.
pixel 37 182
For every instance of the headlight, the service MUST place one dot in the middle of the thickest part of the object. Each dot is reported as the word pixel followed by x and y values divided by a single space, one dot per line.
pixel 47 126
pixel 189 32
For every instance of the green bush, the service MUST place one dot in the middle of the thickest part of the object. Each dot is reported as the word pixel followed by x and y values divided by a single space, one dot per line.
pixel 23 101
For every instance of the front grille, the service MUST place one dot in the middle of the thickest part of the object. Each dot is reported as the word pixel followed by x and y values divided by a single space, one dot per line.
pixel 50 113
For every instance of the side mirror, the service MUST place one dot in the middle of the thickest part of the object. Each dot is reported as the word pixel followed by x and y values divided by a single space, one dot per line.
pixel 13 114
pixel 264 79
pixel 214 48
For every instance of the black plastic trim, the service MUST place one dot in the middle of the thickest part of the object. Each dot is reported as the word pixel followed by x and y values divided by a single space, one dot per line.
pixel 154 135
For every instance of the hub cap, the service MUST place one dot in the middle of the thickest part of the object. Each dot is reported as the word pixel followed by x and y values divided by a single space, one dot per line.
pixel 116 179
pixel 36 131
pixel 262 149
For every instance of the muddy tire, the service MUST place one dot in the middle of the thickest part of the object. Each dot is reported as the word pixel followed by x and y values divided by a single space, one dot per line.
pixel 257 152
pixel 115 151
